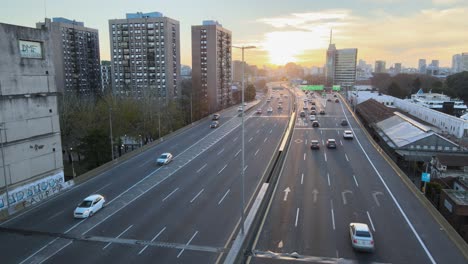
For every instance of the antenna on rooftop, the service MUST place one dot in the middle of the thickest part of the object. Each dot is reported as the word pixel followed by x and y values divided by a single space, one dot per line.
pixel 331 35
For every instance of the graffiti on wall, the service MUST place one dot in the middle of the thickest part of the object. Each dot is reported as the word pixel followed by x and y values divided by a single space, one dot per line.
pixel 34 192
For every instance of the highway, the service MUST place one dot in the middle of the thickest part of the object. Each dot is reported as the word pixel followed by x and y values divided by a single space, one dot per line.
pixel 319 192
pixel 184 212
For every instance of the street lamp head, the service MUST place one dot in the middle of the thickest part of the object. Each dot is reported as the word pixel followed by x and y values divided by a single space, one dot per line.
pixel 250 47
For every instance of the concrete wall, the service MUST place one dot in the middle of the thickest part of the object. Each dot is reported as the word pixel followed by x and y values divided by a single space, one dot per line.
pixel 29 122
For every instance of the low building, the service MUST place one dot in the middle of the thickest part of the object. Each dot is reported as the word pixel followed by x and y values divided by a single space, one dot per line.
pixel 454 207
pixel 443 166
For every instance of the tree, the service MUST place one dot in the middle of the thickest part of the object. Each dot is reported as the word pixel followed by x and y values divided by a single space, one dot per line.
pixel 395 90
pixel 95 147
pixel 249 93
pixel 416 85
pixel 458 84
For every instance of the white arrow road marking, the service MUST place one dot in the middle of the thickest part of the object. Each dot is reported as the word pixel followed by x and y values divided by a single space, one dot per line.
pixel 343 195
pixel 286 192
pixel 280 244
pixel 374 194
pixel 315 192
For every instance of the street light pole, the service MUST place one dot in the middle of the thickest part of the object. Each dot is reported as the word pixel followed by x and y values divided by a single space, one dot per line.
pixel 111 136
pixel 243 139
pixel 73 167
pixel 3 163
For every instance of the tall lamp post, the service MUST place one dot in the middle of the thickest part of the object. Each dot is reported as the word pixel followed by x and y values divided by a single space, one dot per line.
pixel 111 136
pixel 2 127
pixel 73 167
pixel 243 137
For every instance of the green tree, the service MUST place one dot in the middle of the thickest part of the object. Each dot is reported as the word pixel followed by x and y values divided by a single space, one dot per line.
pixel 95 148
pixel 457 84
pixel 250 93
pixel 395 90
pixel 416 85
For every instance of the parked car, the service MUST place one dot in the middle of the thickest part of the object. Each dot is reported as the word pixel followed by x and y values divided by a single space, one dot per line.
pixel 331 143
pixel 361 237
pixel 164 159
pixel 315 123
pixel 216 116
pixel 344 122
pixel 89 206
pixel 314 144
pixel 214 124
pixel 348 134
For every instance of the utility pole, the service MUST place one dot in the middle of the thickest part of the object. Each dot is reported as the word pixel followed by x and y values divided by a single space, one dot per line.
pixel 111 136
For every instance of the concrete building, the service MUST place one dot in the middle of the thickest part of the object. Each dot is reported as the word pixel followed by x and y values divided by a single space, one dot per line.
pixel 397 68
pixel 76 56
pixel 31 167
pixel 456 63
pixel 380 67
pixel 106 77
pixel 211 66
pixel 422 66
pixel 464 62
pixel 345 67
pixel 145 53
pixel 330 65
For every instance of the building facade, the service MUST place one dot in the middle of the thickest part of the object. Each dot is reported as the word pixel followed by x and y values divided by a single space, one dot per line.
pixel 211 66
pixel 397 68
pixel 330 65
pixel 145 53
pixel 380 66
pixel 30 144
pixel 464 62
pixel 345 67
pixel 106 77
pixel 422 66
pixel 456 63
pixel 76 56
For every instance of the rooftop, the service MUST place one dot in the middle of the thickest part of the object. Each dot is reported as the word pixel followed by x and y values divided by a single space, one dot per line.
pixel 453 160
pixel 459 197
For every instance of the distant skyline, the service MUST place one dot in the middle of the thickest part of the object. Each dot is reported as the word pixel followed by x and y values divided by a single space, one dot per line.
pixel 295 31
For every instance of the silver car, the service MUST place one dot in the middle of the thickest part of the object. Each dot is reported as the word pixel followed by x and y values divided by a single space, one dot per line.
pixel 361 237
pixel 89 206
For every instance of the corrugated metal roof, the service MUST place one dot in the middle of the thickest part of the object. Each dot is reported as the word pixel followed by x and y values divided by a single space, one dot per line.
pixel 401 132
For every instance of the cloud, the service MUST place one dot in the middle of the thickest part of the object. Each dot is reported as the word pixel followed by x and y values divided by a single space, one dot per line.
pixel 430 33
pixel 445 2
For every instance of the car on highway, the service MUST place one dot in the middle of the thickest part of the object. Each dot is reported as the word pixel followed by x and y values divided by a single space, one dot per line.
pixel 302 114
pixel 313 108
pixel 259 111
pixel 304 108
pixel 239 108
pixel 313 103
pixel 334 95
pixel 268 100
pixel 312 117
pixel 314 144
pixel 336 100
pixel 315 123
pixel 280 106
pixel 361 237
pixel 164 159
pixel 322 112
pixel 214 124
pixel 331 143
pixel 313 112
pixel 216 116
pixel 270 110
pixel 344 122
pixel 329 100
pixel 89 206
pixel 348 134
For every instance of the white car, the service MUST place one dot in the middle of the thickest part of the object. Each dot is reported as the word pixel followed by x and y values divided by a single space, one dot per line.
pixel 361 237
pixel 89 206
pixel 348 134
pixel 312 117
pixel 164 159
pixel 270 110
pixel 239 109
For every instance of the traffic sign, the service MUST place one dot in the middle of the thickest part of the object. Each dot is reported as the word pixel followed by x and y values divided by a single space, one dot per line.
pixel 425 177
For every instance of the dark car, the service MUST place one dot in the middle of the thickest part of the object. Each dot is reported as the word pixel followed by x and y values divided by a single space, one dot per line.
pixel 334 95
pixel 314 144
pixel 336 100
pixel 313 103
pixel 302 114
pixel 331 143
pixel 313 112
pixel 344 122
pixel 315 123
pixel 214 124
pixel 329 100
pixel 312 108
pixel 322 112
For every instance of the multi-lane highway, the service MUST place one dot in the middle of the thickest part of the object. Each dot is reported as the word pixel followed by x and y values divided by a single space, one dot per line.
pixel 319 192
pixel 184 212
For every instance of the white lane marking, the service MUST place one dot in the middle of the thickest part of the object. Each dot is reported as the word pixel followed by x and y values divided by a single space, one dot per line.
pixel 182 251
pixel 323 142
pixel 306 142
pixel 196 196
pixel 221 151
pixel 144 163
pixel 338 132
pixel 222 169
pixel 297 216
pixel 321 132
pixel 258 131
pixel 370 220
pixel 346 156
pixel 325 154
pixel 256 152
pixel 235 139
pixel 245 167
pixel 152 240
pixel 423 245
pixel 220 201
pixel 328 177
pixel 97 191
pixel 355 181
pixel 123 232
pixel 200 169
pixel 55 215
pixel 238 152
pixel 250 139
pixel 332 214
pixel 44 260
pixel 304 156
pixel 271 130
pixel 275 125
pixel 341 142
pixel 265 140
pixel 302 178
pixel 170 194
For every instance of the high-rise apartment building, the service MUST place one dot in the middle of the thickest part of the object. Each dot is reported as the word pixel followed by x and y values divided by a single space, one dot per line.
pixel 330 65
pixel 76 56
pixel 345 67
pixel 456 63
pixel 464 62
pixel 30 144
pixel 211 66
pixel 380 66
pixel 422 66
pixel 106 77
pixel 145 53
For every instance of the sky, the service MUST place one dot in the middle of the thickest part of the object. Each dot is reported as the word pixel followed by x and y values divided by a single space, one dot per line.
pixel 285 31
